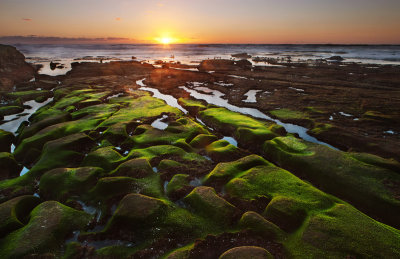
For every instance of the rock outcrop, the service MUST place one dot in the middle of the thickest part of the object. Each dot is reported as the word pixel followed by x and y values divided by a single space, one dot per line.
pixel 13 68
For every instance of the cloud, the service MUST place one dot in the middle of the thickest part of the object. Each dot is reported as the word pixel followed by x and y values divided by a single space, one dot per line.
pixel 118 19
pixel 27 19
pixel 33 39
pixel 160 4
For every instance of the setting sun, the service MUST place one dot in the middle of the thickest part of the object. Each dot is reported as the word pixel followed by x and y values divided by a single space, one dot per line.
pixel 166 40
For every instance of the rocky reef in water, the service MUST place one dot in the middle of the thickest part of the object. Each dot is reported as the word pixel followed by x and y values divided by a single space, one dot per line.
pixel 110 171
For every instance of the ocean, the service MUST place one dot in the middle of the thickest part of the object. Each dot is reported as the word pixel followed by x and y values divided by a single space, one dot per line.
pixel 194 53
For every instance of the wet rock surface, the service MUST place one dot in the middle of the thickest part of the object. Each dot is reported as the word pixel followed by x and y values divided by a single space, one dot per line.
pixel 102 181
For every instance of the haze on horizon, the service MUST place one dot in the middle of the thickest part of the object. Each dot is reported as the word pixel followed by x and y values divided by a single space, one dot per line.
pixel 207 21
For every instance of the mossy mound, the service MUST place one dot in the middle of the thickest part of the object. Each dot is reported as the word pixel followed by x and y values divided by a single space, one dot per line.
pixel 144 106
pixel 224 172
pixel 9 167
pixel 136 168
pixel 193 106
pixel 205 201
pixel 14 213
pixel 183 129
pixel 6 139
pixel 138 211
pixel 359 236
pixel 50 222
pixel 248 131
pixel 246 252
pixel 366 185
pixel 202 140
pixel 106 158
pixel 258 224
pixel 178 186
pixel 63 183
pixel 222 150
pixel 293 204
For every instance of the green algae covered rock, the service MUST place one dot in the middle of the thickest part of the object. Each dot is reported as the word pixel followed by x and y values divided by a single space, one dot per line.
pixel 136 168
pixel 178 186
pixel 358 235
pixel 287 213
pixel 193 106
pixel 202 140
pixel 205 201
pixel 62 183
pixel 144 106
pixel 224 172
pixel 50 222
pixel 14 213
pixel 9 167
pixel 363 180
pixel 106 158
pixel 222 150
pixel 246 252
pixel 29 95
pixel 138 211
pixel 248 131
pixel 258 224
pixel 6 139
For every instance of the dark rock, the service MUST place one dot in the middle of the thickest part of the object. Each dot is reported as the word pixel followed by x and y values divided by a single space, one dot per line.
pixel 336 58
pixel 13 68
pixel 241 55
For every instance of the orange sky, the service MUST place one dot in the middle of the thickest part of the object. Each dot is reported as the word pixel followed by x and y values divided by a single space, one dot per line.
pixel 207 21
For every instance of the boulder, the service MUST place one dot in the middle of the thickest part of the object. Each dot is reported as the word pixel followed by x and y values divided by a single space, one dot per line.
pixel 13 68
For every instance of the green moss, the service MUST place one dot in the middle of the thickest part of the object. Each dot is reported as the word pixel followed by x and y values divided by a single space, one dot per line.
pixel 375 115
pixel 224 172
pixel 106 158
pixel 247 131
pixel 177 182
pixel 6 139
pixel 358 235
pixel 14 213
pixel 259 225
pixel 62 183
pixel 9 167
pixel 29 95
pixel 177 133
pixel 321 127
pixel 204 201
pixel 136 168
pixel 222 150
pixel 138 211
pixel 287 114
pixel 49 224
pixel 165 151
pixel 141 107
pixel 202 140
pixel 336 172
pixel 193 106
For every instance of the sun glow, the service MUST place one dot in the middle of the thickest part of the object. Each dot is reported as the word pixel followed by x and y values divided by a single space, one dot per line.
pixel 165 40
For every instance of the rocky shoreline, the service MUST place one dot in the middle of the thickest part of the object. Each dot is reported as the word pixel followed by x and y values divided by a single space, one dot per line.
pixel 101 168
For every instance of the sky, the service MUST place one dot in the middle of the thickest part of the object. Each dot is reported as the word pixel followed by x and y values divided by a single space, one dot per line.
pixel 203 21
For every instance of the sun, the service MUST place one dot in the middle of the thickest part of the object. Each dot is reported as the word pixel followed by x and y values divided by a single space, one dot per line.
pixel 165 40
